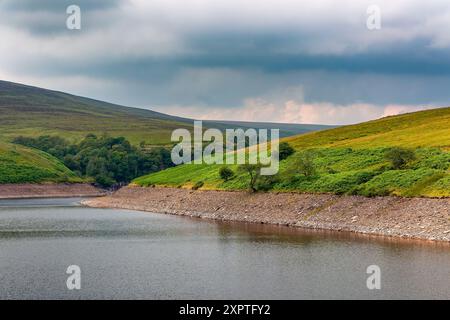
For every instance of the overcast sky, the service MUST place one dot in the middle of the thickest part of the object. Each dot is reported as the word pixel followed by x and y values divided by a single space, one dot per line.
pixel 264 60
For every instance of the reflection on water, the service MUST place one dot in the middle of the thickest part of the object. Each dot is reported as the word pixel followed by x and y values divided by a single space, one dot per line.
pixel 127 254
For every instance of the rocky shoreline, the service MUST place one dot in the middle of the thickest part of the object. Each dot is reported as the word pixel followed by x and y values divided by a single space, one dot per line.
pixel 29 191
pixel 410 218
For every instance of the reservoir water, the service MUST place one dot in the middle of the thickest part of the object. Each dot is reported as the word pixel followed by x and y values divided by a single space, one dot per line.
pixel 135 255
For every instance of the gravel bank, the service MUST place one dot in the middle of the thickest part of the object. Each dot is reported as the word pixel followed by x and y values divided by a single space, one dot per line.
pixel 414 218
pixel 25 191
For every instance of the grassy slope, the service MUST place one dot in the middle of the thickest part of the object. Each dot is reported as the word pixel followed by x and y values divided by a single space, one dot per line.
pixel 429 128
pixel 351 160
pixel 23 165
pixel 31 111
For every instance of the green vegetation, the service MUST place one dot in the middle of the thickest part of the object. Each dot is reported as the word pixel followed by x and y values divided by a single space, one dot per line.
pixel 19 164
pixel 32 112
pixel 253 173
pixel 107 160
pixel 226 173
pixel 303 164
pixel 197 185
pixel 399 157
pixel 412 130
pixel 404 156
pixel 285 150
pixel 331 170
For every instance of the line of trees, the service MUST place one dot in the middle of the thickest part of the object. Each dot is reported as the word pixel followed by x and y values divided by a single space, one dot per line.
pixel 109 161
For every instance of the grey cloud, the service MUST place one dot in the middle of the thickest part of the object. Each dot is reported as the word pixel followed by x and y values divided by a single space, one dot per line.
pixel 222 65
pixel 56 5
pixel 47 18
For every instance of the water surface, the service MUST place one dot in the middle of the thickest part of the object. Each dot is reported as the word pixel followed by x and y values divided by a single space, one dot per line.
pixel 135 255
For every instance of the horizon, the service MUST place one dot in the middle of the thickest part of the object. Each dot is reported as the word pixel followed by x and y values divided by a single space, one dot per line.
pixel 297 63
pixel 331 126
pixel 149 108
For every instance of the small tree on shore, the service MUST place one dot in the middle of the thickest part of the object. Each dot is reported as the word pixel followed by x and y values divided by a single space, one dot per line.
pixel 254 173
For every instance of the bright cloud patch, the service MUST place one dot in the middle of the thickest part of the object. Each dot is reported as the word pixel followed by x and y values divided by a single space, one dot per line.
pixel 295 112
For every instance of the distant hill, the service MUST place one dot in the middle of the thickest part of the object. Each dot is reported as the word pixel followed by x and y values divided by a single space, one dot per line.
pixel 286 129
pixel 348 160
pixel 32 111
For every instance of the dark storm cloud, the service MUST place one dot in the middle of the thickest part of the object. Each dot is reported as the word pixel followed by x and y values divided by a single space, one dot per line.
pixel 422 62
pixel 404 75
pixel 176 53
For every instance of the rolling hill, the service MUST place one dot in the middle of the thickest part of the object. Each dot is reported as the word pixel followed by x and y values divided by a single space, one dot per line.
pixel 430 128
pixel 32 111
pixel 348 160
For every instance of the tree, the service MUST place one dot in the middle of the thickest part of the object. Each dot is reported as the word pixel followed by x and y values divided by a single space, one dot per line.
pixel 108 160
pixel 304 164
pixel 226 173
pixel 96 166
pixel 104 180
pixel 254 172
pixel 285 150
pixel 399 157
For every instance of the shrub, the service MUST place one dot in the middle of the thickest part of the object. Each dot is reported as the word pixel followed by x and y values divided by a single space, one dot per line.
pixel 342 183
pixel 266 183
pixel 432 159
pixel 198 185
pixel 396 182
pixel 330 170
pixel 399 157
pixel 303 164
pixel 226 173
pixel 285 150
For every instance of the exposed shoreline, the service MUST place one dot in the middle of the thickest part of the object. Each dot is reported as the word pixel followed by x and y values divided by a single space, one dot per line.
pixel 31 191
pixel 408 218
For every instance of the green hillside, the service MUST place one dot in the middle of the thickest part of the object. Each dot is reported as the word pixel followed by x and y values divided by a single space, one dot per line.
pixel 30 111
pixel 429 128
pixel 24 165
pixel 33 112
pixel 348 160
